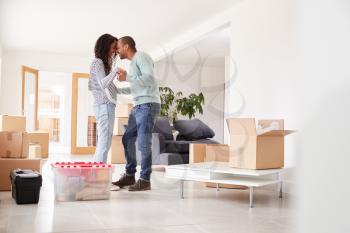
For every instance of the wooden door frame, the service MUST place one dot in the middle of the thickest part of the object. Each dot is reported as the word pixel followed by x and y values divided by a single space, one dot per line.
pixel 74 148
pixel 35 72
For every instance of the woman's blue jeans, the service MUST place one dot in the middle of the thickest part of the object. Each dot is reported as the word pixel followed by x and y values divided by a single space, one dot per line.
pixel 105 115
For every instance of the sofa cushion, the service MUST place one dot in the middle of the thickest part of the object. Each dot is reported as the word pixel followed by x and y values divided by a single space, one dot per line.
pixel 162 126
pixel 192 130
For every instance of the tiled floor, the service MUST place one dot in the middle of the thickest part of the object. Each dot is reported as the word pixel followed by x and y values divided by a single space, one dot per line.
pixel 203 210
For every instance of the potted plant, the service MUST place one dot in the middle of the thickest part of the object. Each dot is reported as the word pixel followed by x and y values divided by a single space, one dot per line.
pixel 173 105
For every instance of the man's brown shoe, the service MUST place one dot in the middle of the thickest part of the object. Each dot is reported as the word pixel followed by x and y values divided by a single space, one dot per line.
pixel 140 185
pixel 125 180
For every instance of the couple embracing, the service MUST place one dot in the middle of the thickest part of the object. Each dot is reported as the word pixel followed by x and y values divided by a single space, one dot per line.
pixel 145 93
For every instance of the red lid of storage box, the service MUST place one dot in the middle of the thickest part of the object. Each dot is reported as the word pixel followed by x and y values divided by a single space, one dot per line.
pixel 80 165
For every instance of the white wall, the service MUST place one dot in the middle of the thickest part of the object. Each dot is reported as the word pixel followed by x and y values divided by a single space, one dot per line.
pixel 10 95
pixel 323 144
pixel 227 102
pixel 1 51
pixel 292 59
pixel 263 67
pixel 204 78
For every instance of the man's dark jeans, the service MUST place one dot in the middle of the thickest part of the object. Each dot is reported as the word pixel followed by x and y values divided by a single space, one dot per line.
pixel 140 127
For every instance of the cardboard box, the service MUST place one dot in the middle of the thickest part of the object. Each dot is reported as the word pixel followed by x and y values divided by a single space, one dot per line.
pixel 34 151
pixel 7 165
pixel 11 144
pixel 36 137
pixel 251 150
pixel 12 123
pixel 119 123
pixel 123 110
pixel 208 152
pixel 116 153
pixel 197 153
pixel 219 153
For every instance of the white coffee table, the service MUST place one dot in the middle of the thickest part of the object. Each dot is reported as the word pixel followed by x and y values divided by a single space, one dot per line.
pixel 222 173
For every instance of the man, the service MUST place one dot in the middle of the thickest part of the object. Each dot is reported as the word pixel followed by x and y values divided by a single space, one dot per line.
pixel 145 92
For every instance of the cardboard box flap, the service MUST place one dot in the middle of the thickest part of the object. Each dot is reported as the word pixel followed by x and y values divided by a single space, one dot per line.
pixel 241 126
pixel 277 133
pixel 287 132
pixel 267 123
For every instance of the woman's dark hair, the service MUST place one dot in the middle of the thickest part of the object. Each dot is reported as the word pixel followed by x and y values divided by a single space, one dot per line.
pixel 102 47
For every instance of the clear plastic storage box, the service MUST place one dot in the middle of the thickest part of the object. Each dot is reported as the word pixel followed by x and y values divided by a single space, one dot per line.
pixel 75 181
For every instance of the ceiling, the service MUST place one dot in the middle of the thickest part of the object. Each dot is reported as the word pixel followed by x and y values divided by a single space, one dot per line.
pixel 72 26
pixel 210 50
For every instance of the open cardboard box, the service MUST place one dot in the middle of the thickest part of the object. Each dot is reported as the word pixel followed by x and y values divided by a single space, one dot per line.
pixel 252 150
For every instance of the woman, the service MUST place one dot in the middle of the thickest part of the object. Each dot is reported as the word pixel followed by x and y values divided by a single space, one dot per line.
pixel 104 92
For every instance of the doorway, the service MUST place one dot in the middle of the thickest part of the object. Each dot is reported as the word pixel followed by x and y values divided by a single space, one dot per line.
pixel 54 98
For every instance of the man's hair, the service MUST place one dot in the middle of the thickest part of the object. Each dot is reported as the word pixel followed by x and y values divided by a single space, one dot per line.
pixel 129 41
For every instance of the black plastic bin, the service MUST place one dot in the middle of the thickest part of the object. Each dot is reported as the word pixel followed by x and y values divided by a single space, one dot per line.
pixel 26 186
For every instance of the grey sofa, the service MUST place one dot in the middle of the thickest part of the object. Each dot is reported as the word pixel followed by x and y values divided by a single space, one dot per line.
pixel 167 151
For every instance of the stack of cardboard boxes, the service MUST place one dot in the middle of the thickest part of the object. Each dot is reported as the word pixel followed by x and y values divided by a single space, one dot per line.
pixel 18 148
pixel 253 145
pixel 116 153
